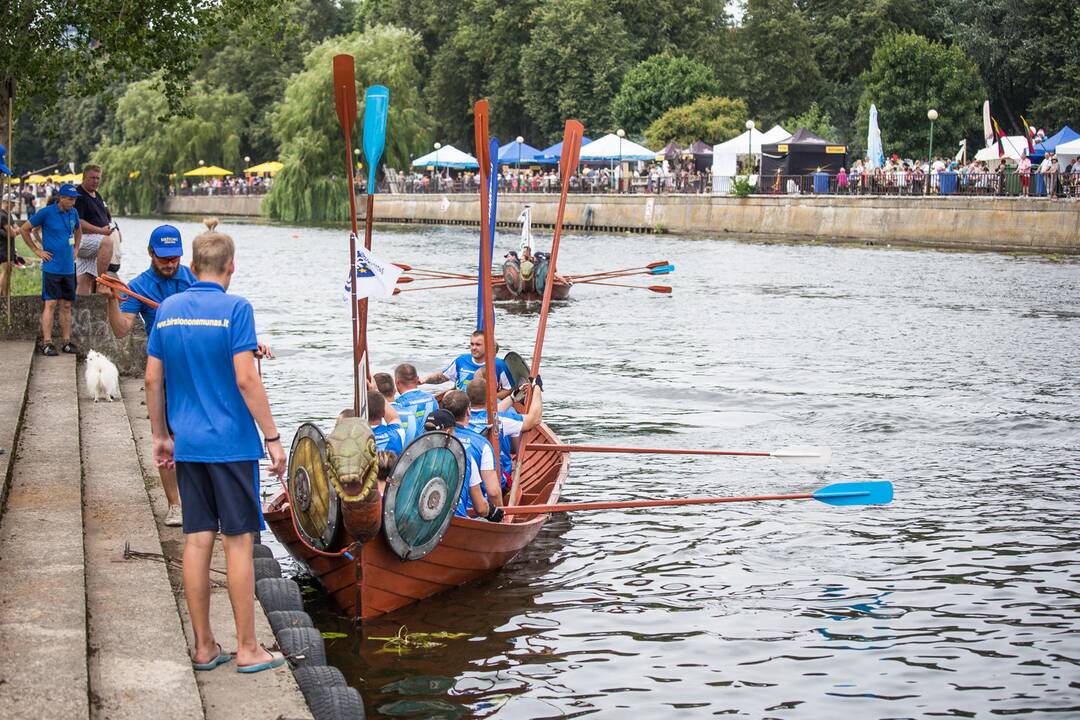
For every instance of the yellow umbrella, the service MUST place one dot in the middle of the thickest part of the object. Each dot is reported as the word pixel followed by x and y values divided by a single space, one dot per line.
pixel 270 168
pixel 36 179
pixel 208 171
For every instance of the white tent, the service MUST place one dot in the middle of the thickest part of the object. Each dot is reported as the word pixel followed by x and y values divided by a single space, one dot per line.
pixel 1068 151
pixel 1015 146
pixel 447 156
pixel 751 141
pixel 612 147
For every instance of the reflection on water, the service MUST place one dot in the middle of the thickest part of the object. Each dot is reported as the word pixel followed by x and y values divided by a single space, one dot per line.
pixel 951 374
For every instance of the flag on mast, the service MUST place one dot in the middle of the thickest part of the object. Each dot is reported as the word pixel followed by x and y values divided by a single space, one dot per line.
pixel 1028 134
pixel 1000 135
pixel 375 278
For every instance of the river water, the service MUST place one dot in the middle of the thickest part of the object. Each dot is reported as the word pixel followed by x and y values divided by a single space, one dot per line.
pixel 952 375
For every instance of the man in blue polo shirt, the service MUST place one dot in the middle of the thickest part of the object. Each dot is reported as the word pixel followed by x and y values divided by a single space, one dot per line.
pixel 464 366
pixel 59 223
pixel 202 348
pixel 388 436
pixel 413 405
pixel 165 277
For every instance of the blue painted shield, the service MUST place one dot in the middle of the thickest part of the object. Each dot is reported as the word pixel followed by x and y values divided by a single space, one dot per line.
pixel 422 494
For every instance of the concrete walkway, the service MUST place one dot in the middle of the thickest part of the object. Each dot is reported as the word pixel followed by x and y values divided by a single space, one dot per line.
pixel 15 360
pixel 43 593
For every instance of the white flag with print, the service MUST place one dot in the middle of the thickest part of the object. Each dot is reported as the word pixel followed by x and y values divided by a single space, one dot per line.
pixel 375 278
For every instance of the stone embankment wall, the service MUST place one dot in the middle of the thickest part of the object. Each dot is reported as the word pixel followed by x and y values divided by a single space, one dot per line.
pixel 1005 224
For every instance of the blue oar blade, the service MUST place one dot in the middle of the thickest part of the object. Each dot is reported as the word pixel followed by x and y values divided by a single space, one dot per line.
pixel 376 108
pixel 663 270
pixel 857 493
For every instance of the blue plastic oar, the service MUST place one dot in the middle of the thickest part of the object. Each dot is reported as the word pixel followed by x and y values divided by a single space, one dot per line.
pixel 857 493
pixel 662 270
pixel 376 108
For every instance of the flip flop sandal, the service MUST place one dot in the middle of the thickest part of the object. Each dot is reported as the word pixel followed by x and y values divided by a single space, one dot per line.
pixel 70 348
pixel 276 660
pixel 221 659
pixel 49 349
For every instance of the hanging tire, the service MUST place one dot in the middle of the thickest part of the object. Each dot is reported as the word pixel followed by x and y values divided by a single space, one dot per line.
pixel 278 594
pixel 266 568
pixel 336 703
pixel 303 645
pixel 281 619
pixel 311 678
pixel 261 551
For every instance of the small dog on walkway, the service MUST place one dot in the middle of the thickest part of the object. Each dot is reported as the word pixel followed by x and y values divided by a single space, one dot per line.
pixel 102 377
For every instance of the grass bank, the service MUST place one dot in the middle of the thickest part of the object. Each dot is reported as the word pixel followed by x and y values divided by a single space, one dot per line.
pixel 26 281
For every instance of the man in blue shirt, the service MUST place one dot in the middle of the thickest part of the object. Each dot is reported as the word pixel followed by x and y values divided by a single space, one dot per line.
pixel 387 436
pixel 464 366
pixel 202 348
pixel 413 405
pixel 472 493
pixel 479 451
pixel 511 423
pixel 59 223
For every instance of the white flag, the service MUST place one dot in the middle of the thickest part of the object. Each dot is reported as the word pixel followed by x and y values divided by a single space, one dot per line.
pixel 375 278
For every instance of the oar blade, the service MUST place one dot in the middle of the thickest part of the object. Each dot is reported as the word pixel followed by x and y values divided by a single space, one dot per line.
pixel 376 110
pixel 345 91
pixel 856 493
pixel 662 289
pixel 804 455
pixel 657 263
pixel 662 270
pixel 572 134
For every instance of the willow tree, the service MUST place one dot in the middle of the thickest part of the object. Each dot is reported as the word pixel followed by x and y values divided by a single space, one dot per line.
pixel 156 144
pixel 310 187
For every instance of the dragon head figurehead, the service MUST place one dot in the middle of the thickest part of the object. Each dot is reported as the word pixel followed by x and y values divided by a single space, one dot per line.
pixel 352 460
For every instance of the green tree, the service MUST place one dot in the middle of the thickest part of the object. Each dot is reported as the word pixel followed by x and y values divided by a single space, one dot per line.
pixel 483 59
pixel 710 119
pixel 572 66
pixel 155 145
pixel 80 46
pixel 698 29
pixel 656 85
pixel 815 120
pixel 778 72
pixel 910 75
pixel 434 20
pixel 310 187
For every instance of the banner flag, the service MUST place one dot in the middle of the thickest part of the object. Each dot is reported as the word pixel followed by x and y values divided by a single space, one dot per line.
pixel 375 278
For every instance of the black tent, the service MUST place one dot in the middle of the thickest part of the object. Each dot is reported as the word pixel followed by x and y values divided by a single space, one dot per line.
pixel 702 154
pixel 802 153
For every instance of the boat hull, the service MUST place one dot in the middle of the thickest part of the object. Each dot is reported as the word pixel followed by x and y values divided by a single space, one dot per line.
pixel 378 582
pixel 559 291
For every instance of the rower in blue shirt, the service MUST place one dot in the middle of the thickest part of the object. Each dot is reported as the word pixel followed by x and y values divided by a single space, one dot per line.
pixel 472 495
pixel 464 366
pixel 511 423
pixel 477 448
pixel 387 437
pixel 413 405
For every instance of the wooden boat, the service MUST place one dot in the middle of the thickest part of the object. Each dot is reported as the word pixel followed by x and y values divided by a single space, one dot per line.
pixel 378 582
pixel 560 290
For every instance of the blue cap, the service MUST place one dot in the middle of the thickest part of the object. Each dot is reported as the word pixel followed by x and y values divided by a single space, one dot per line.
pixel 3 161
pixel 68 190
pixel 165 242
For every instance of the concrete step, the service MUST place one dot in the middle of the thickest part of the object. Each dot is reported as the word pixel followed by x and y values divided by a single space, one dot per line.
pixel 15 360
pixel 139 665
pixel 271 694
pixel 43 592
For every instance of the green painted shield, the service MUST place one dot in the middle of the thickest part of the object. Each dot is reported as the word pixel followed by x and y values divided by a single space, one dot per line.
pixel 422 494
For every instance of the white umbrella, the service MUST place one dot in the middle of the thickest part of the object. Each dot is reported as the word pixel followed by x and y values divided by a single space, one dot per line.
pixel 874 150
pixel 447 156
pixel 988 127
pixel 612 147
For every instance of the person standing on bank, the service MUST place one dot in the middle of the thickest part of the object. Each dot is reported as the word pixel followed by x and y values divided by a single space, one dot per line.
pixel 59 222
pixel 202 349
pixel 95 252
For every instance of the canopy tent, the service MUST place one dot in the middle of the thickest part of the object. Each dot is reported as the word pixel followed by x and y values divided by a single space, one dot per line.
pixel 802 153
pixel 447 156
pixel 35 179
pixel 750 141
pixel 271 168
pixel 554 152
pixel 702 154
pixel 208 171
pixel 1068 151
pixel 516 153
pixel 1015 148
pixel 613 147
pixel 669 152
pixel 1050 144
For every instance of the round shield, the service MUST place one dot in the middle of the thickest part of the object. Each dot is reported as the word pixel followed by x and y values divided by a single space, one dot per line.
pixel 313 501
pixel 422 493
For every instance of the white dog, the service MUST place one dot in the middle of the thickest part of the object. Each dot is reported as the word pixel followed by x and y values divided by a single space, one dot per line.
pixel 102 377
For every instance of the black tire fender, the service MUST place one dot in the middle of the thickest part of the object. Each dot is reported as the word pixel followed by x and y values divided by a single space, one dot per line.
pixel 278 594
pixel 281 619
pixel 336 703
pixel 303 645
pixel 266 568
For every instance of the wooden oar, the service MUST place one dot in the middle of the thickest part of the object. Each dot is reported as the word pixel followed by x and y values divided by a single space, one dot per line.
pixel 464 283
pixel 662 270
pixel 426 271
pixel 650 266
pixel 664 289
pixel 345 104
pixel 800 455
pixel 485 307
pixel 840 494
pixel 376 109
pixel 571 149
pixel 120 287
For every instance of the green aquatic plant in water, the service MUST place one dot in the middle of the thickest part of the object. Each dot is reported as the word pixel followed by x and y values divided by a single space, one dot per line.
pixel 406 641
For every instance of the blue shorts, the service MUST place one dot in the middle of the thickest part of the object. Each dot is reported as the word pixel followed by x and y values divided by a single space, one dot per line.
pixel 220 496
pixel 57 287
